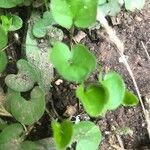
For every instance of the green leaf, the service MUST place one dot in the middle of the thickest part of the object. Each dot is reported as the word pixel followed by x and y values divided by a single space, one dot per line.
pixel 112 8
pixel 74 65
pixel 25 79
pixel 136 4
pixel 27 112
pixel 94 99
pixel 130 99
pixel 69 13
pixel 5 23
pixel 3 39
pixel 62 133
pixel 16 22
pixel 11 133
pixel 87 135
pixel 115 87
pixel 3 61
pixel 9 3
pixel 41 26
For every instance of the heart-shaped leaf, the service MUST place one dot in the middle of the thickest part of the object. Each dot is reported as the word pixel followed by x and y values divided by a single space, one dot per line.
pixel 3 61
pixel 27 112
pixel 115 87
pixel 87 135
pixel 62 133
pixel 94 99
pixel 11 133
pixel 3 39
pixel 130 99
pixel 74 65
pixel 68 13
pixel 25 79
pixel 136 4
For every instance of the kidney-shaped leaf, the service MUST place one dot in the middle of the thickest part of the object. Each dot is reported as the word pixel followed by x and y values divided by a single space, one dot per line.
pixel 11 133
pixel 3 61
pixel 27 112
pixel 115 87
pixel 62 133
pixel 87 135
pixel 94 99
pixel 130 99
pixel 78 12
pixel 25 79
pixel 74 65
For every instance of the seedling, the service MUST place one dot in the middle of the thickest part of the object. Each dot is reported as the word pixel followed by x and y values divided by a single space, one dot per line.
pixel 86 134
pixel 109 94
pixel 74 65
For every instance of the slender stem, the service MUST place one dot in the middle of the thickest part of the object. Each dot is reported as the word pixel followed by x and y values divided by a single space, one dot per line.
pixel 71 36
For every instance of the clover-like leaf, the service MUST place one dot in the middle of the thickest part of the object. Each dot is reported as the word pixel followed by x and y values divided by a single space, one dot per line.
pixel 27 112
pixel 62 133
pixel 115 87
pixel 69 13
pixel 136 4
pixel 3 61
pixel 74 65
pixel 130 99
pixel 3 39
pixel 41 26
pixel 93 98
pixel 87 135
pixel 11 133
pixel 25 79
pixel 10 3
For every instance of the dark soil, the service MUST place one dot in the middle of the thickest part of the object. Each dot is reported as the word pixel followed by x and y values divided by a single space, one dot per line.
pixel 132 29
